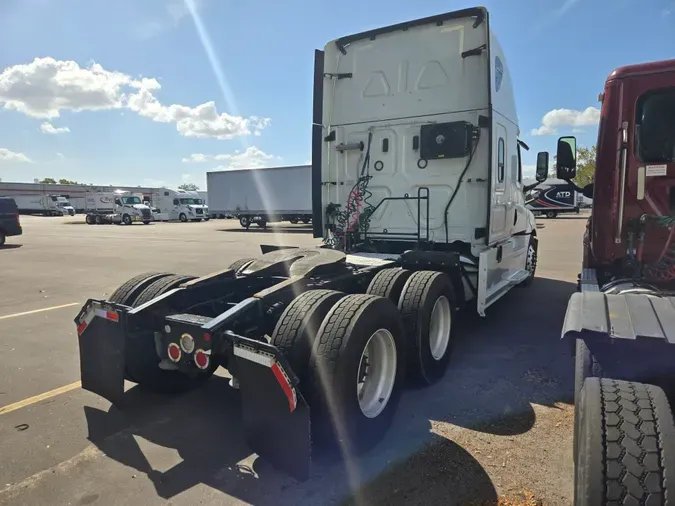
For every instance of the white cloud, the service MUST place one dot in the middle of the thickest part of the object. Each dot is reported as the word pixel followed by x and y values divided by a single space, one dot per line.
pixel 253 157
pixel 11 156
pixel 45 87
pixel 556 118
pixel 48 128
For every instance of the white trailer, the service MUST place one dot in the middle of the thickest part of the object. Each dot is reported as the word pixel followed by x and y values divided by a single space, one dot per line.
pixel 47 205
pixel 182 205
pixel 119 207
pixel 262 195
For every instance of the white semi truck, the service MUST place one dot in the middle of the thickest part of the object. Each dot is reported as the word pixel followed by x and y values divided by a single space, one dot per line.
pixel 416 189
pixel 261 196
pixel 119 207
pixel 182 205
pixel 48 205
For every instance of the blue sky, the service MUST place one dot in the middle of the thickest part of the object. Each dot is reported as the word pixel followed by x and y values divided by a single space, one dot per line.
pixel 160 91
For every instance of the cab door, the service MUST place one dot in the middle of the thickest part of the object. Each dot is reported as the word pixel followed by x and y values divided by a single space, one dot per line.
pixel 499 196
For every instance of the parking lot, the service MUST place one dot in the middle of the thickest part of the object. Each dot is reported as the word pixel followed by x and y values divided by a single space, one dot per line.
pixel 496 430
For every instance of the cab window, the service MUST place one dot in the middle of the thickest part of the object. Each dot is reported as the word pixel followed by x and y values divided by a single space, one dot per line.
pixel 655 126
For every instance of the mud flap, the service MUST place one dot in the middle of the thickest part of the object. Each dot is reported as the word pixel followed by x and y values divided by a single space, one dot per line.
pixel 275 415
pixel 100 330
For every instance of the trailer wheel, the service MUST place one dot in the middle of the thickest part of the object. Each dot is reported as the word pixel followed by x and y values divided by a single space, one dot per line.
pixel 427 306
pixel 531 262
pixel 306 220
pixel 182 217
pixel 161 286
pixel 3 238
pixel 389 284
pixel 146 222
pixel 238 264
pixel 626 447
pixel 298 325
pixel 89 219
pixel 551 214
pixel 245 221
pixel 98 219
pixel 356 372
pixel 294 221
pixel 128 292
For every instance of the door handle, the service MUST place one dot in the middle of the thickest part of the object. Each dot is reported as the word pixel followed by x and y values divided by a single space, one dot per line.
pixel 515 216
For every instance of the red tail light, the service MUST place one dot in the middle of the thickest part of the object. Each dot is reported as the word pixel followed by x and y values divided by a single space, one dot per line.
pixel 18 222
pixel 201 359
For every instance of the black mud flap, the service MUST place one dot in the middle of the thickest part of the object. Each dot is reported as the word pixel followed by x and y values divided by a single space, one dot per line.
pixel 275 414
pixel 100 330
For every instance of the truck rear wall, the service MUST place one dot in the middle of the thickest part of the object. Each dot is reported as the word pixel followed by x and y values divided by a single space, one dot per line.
pixel 269 191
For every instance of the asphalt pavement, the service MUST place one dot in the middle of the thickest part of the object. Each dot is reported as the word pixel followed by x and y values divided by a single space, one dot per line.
pixel 497 427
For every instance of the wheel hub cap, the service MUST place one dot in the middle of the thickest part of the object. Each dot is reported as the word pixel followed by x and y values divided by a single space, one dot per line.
pixel 376 374
pixel 440 326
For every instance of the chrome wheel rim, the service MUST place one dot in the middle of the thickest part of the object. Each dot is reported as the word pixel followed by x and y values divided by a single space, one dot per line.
pixel 376 374
pixel 440 327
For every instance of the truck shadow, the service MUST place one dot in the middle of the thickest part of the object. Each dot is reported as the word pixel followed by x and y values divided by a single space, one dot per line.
pixel 10 246
pixel 272 229
pixel 501 366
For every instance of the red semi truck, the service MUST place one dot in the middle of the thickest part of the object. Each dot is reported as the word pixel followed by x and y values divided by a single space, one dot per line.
pixel 622 320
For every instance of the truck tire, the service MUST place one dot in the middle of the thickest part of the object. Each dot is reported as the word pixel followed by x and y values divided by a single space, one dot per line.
pixel 128 292
pixel 585 366
pixel 89 219
pixel 531 262
pixel 298 325
pixel 551 214
pixel 245 221
pixel 389 284
pixel 238 264
pixel 126 219
pixel 626 451
pixel 146 222
pixel 161 286
pixel 356 372
pixel 3 238
pixel 427 306
pixel 294 221
pixel 98 219
pixel 182 217
pixel 306 220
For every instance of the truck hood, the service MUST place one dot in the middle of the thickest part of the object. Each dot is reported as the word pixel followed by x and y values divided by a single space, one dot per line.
pixel 140 206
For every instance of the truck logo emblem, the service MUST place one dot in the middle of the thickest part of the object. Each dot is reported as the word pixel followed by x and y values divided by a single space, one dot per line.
pixel 563 195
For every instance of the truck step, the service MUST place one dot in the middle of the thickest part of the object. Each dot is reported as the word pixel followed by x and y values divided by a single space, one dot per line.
pixel 371 259
pixel 518 277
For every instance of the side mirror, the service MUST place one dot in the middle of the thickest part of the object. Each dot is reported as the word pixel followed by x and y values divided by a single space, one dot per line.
pixel 542 166
pixel 566 159
pixel 118 202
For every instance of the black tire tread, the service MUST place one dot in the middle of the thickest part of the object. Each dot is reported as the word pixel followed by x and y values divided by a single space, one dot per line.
pixel 636 421
pixel 160 287
pixel 388 283
pixel 410 306
pixel 238 264
pixel 128 292
pixel 313 304
pixel 329 340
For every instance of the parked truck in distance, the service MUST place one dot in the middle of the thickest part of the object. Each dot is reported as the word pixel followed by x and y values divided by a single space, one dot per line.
pixel 621 324
pixel 552 198
pixel 119 207
pixel 47 205
pixel 181 205
pixel 262 196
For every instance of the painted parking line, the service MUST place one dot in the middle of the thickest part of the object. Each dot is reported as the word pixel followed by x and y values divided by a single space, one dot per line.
pixel 38 398
pixel 38 310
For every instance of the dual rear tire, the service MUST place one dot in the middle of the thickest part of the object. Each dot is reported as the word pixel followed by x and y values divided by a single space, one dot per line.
pixel 353 353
